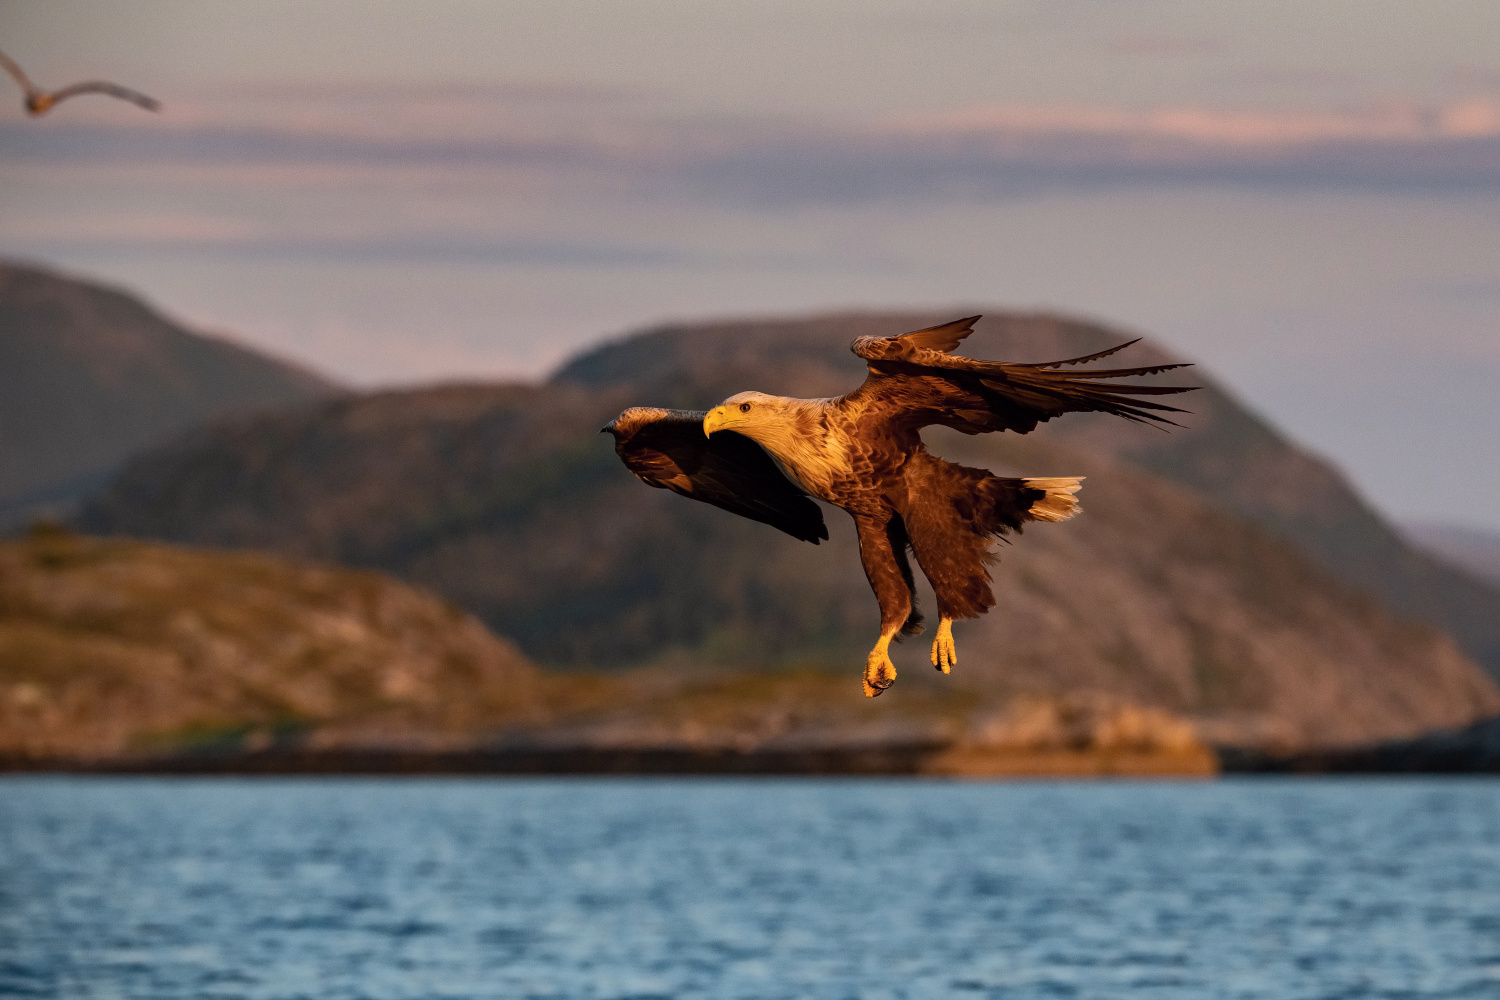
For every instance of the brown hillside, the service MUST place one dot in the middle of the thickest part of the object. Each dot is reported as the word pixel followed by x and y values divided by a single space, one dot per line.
pixel 89 374
pixel 117 654
pixel 112 646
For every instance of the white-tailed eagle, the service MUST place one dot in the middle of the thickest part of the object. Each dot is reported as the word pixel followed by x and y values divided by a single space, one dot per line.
pixel 763 457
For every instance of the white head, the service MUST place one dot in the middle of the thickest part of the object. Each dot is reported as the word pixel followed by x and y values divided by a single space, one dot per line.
pixel 756 415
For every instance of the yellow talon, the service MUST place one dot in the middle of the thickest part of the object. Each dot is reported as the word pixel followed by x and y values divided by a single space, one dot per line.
pixel 880 672
pixel 944 652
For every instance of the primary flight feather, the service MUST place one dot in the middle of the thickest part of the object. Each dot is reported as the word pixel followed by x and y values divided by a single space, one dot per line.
pixel 764 457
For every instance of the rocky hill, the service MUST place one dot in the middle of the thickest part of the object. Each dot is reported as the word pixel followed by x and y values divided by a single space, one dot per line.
pixel 89 374
pixel 123 655
pixel 114 647
pixel 506 500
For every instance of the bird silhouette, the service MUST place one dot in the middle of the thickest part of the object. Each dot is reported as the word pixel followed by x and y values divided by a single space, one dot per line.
pixel 39 102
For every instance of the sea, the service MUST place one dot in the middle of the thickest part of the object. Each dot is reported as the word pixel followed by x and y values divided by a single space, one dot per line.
pixel 645 888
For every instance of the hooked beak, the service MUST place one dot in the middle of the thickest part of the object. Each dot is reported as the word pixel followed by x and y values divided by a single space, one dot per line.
pixel 716 419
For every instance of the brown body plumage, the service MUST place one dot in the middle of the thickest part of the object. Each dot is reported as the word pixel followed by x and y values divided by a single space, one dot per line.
pixel 38 101
pixel 762 456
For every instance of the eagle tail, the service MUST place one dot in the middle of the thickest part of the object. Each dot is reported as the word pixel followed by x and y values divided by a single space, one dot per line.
pixel 1057 502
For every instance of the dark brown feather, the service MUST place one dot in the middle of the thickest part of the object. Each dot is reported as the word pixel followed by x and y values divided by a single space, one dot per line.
pixel 951 513
pixel 668 449
pixel 922 385
pixel 941 338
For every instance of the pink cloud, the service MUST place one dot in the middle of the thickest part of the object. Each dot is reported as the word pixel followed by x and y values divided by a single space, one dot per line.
pixel 1394 123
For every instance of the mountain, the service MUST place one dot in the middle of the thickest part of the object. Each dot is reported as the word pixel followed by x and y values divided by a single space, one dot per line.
pixel 114 647
pixel 507 500
pixel 1223 452
pixel 89 374
pixel 1473 550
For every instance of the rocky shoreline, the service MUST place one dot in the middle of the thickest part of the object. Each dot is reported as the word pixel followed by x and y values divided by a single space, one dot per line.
pixel 914 760
pixel 1473 749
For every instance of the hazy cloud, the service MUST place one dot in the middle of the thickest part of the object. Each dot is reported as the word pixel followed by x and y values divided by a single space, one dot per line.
pixel 591 140
pixel 1159 46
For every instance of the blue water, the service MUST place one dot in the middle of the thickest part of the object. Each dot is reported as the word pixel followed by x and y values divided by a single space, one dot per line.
pixel 404 888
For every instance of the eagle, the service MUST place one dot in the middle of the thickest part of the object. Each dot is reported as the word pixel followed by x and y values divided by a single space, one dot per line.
pixel 767 457
pixel 38 102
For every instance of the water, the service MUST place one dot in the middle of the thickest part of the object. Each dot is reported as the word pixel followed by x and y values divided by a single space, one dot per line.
pixel 625 888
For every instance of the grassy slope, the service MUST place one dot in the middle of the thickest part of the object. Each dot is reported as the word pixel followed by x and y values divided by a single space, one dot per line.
pixel 112 646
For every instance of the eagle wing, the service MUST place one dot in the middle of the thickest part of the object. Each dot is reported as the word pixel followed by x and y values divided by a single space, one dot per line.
pixel 916 376
pixel 668 449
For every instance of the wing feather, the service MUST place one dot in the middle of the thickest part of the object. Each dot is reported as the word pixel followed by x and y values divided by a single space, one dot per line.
pixel 1085 359
pixel 922 385
pixel 941 338
pixel 111 89
pixel 668 449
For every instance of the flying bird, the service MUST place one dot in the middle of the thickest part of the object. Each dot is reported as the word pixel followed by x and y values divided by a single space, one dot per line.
pixel 764 457
pixel 39 102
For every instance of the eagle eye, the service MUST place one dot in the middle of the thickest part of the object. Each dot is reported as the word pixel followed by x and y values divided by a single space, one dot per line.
pixel 744 407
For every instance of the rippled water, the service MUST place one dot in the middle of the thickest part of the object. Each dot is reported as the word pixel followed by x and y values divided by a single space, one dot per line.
pixel 747 888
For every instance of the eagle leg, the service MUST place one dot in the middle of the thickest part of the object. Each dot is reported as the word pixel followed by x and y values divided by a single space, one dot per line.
pixel 944 652
pixel 880 672
pixel 882 550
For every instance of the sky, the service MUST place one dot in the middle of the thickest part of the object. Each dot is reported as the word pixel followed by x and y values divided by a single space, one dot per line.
pixel 1304 196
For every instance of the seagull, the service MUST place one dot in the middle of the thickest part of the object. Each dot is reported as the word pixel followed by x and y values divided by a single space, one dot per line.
pixel 39 102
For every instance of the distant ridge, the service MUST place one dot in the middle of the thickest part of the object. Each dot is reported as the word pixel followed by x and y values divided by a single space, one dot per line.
pixel 1473 550
pixel 89 374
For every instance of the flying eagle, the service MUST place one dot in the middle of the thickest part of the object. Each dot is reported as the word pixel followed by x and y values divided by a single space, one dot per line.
pixel 39 102
pixel 764 457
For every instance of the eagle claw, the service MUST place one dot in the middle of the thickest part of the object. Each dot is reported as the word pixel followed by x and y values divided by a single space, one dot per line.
pixel 880 673
pixel 944 652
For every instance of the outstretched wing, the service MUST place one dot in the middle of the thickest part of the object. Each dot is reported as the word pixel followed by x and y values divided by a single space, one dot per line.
pixel 921 384
pixel 112 89
pixel 9 65
pixel 668 449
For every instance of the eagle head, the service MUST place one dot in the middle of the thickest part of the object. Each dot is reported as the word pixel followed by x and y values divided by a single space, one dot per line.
pixel 746 413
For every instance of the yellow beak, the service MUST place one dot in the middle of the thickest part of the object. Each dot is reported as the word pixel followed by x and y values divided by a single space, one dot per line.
pixel 715 420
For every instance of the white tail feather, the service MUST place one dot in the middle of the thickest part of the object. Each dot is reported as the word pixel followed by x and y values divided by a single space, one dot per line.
pixel 1059 504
